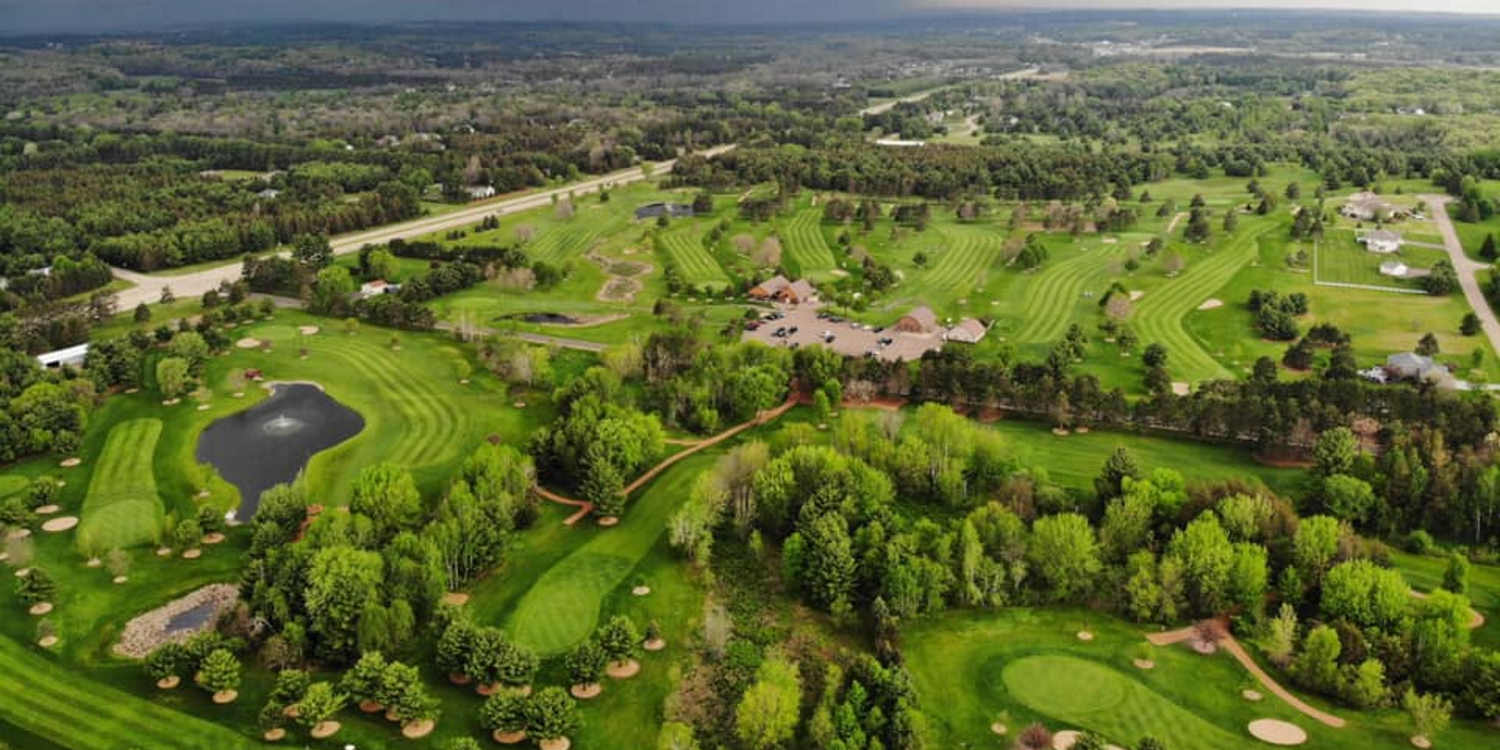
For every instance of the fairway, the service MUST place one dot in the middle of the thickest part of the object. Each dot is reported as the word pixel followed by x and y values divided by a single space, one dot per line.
pixel 52 702
pixel 562 607
pixel 122 508
pixel 1090 695
pixel 695 263
pixel 1055 290
pixel 1073 461
pixel 805 245
pixel 1159 317
pixel 429 418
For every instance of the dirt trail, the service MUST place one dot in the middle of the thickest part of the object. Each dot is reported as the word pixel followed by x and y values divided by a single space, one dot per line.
pixel 1228 643
pixel 585 507
pixel 1175 221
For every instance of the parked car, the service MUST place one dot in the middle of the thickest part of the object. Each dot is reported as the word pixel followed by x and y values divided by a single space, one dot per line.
pixel 793 329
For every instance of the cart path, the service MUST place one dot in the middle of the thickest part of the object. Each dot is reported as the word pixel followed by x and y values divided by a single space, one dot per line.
pixel 1228 643
pixel 1467 269
pixel 585 507
pixel 1476 621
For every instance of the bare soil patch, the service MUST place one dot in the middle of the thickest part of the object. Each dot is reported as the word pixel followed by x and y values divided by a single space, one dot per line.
pixel 69 463
pixel 325 729
pixel 585 692
pixel 999 729
pixel 192 554
pixel 214 538
pixel 456 598
pixel 415 730
pixel 619 289
pixel 560 743
pixel 40 608
pixel 1136 294
pixel 370 707
pixel 120 579
pixel 274 735
pixel 607 521
pixel 47 510
pixel 61 523
pixel 1210 304
pixel 247 343
pixel 623 670
pixel 640 590
pixel 1180 388
pixel 507 738
pixel 1144 664
pixel 1420 741
pixel 1085 636
pixel 168 683
pixel 226 696
pixel 1251 695
pixel 1065 739
pixel 307 330
pixel 47 641
pixel 1277 732
pixel 655 644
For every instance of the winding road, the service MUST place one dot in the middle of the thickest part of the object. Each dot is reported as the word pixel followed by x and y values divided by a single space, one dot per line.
pixel 148 287
pixel 1467 268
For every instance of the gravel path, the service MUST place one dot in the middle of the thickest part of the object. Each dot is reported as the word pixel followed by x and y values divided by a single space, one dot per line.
pixel 1467 269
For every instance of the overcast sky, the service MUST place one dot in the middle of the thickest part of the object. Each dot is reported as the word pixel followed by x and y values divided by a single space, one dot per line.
pixel 22 16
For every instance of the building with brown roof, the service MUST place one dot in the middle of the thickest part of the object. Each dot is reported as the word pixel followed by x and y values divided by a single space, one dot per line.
pixel 919 320
pixel 968 330
pixel 767 289
pixel 797 292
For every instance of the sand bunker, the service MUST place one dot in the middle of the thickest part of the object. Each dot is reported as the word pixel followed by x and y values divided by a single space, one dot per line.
pixel 61 523
pixel 1065 739
pixel 147 631
pixel 69 463
pixel 1210 304
pixel 1136 294
pixel 456 598
pixel 1144 664
pixel 640 590
pixel 1251 695
pixel 1277 732
pixel 247 343
pixel 307 330
pixel 1180 388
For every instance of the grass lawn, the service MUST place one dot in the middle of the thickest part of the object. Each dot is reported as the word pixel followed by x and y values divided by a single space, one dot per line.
pixel 562 607
pixel 122 508
pixel 1022 665
pixel 1425 573
pixel 1340 260
pixel 1075 460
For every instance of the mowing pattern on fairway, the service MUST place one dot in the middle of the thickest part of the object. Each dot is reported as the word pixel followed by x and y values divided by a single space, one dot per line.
pixel 693 261
pixel 805 245
pixel 1095 697
pixel 429 420
pixel 122 507
pixel 1051 296
pixel 571 239
pixel 1158 317
pixel 51 702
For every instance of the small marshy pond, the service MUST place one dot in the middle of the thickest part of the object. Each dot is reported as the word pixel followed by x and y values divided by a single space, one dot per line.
pixel 272 441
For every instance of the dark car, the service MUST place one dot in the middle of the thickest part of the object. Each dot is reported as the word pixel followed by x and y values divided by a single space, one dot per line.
pixel 793 329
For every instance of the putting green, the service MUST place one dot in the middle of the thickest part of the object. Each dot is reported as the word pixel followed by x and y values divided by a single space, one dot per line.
pixel 122 507
pixel 1092 696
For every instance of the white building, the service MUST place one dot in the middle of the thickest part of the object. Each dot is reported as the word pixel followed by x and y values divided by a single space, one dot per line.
pixel 377 287
pixel 69 357
pixel 1393 268
pixel 477 192
pixel 1381 241
pixel 968 330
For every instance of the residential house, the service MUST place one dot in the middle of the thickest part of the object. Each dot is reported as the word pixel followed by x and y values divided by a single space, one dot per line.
pixel 377 287
pixel 767 289
pixel 1412 366
pixel 1368 206
pixel 72 356
pixel 1381 241
pixel 1394 268
pixel 477 192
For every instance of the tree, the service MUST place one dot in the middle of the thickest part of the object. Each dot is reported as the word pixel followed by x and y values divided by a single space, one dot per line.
pixel 1117 467
pixel 1428 345
pixel 1482 683
pixel 1064 554
pixel 1347 498
pixel 1206 556
pixel 1456 575
pixel 36 587
pixel 1364 685
pixel 1314 546
pixel 386 494
pixel 341 583
pixel 619 639
pixel 312 250
pixel 827 570
pixel 172 377
pixel 455 645
pixel 404 694
pixel 362 683
pixel 505 712
pixel 1335 451
pixel 142 313
pixel 1281 636
pixel 1316 667
pixel 1155 355
pixel 1429 712
pixel 1469 326
pixel 676 735
pixel 766 716
pixel 319 703
pixel 1365 594
pixel 517 664
pixel 167 661
pixel 331 290
pixel 586 663
pixel 290 686
pixel 219 672
pixel 551 714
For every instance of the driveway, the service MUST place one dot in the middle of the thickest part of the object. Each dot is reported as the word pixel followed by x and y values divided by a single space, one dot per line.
pixel 1467 269
pixel 148 286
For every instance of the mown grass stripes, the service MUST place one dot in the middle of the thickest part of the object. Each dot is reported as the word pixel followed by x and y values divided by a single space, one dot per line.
pixel 429 419
pixel 122 507
pixel 63 707
pixel 805 244
pixel 695 263
pixel 1051 296
pixel 1158 318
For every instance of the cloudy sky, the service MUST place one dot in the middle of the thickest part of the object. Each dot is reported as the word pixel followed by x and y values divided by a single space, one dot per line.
pixel 22 16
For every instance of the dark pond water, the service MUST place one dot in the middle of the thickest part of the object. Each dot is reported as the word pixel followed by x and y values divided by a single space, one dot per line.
pixel 270 442
pixel 546 317
pixel 191 619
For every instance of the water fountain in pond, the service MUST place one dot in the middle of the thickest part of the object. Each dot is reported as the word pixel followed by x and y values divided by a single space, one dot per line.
pixel 282 425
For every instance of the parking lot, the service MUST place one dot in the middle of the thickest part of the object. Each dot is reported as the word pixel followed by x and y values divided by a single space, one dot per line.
pixel 801 326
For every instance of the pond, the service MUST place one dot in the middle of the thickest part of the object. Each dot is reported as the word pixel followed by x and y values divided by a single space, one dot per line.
pixel 271 442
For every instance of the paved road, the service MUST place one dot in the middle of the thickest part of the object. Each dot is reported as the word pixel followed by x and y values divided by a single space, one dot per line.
pixel 148 287
pixel 1467 269
pixel 920 95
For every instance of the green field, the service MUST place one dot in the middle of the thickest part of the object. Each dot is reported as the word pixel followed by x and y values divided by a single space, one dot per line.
pixel 1340 260
pixel 1073 461
pixel 122 508
pixel 805 247
pixel 697 266
pixel 562 606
